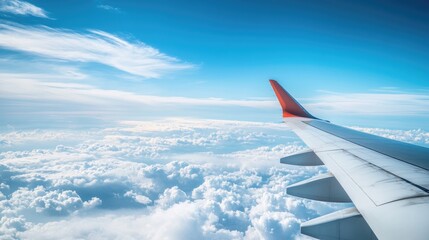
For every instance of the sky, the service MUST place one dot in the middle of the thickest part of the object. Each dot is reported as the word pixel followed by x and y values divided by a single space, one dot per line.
pixel 156 120
pixel 91 63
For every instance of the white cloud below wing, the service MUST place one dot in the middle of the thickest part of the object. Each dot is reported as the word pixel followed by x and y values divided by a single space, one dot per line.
pixel 169 179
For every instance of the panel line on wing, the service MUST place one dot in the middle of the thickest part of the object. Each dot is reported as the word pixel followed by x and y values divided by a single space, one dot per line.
pixel 390 148
pixel 389 172
pixel 351 178
pixel 356 167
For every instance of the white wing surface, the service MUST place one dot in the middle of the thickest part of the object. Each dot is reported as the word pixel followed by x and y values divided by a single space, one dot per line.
pixel 387 180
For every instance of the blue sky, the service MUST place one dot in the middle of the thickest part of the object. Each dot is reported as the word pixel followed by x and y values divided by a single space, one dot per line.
pixel 328 54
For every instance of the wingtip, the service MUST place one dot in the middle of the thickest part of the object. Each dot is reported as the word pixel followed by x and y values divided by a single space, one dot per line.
pixel 290 107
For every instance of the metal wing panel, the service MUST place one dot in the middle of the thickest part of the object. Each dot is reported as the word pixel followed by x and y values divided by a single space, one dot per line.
pixel 344 224
pixel 412 154
pixel 378 185
pixel 387 180
pixel 391 194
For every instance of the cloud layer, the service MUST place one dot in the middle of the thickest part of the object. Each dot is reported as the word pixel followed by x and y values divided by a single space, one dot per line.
pixel 93 46
pixel 166 179
pixel 108 8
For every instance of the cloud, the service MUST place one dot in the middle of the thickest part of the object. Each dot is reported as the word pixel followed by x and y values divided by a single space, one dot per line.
pixel 108 8
pixel 276 225
pixel 165 179
pixel 93 46
pixel 24 87
pixel 11 226
pixel 39 89
pixel 134 166
pixel 181 221
pixel 138 198
pixel 22 8
pixel 39 138
pixel 54 202
pixel 383 104
pixel 411 136
pixel 171 196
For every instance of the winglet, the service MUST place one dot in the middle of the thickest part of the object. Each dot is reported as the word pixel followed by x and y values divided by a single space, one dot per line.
pixel 290 107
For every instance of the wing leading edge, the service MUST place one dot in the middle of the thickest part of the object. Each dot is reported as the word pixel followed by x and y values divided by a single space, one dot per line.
pixel 387 180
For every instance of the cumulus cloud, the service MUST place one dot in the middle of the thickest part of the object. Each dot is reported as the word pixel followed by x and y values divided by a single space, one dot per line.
pixel 138 198
pixel 54 202
pixel 171 196
pixel 137 165
pixel 22 8
pixel 11 226
pixel 93 46
pixel 181 221
pixel 40 138
pixel 276 225
pixel 166 179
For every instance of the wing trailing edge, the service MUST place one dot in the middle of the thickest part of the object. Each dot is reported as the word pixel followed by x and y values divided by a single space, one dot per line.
pixel 343 224
pixel 324 187
pixel 304 158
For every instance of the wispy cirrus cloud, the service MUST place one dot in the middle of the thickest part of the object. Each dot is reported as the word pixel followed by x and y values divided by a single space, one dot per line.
pixel 384 103
pixel 93 46
pixel 108 8
pixel 22 8
pixel 25 87
pixel 416 136
pixel 43 87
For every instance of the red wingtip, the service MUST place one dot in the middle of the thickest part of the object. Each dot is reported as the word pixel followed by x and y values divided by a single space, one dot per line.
pixel 290 107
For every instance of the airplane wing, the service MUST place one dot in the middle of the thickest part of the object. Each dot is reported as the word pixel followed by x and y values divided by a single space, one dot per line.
pixel 387 180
